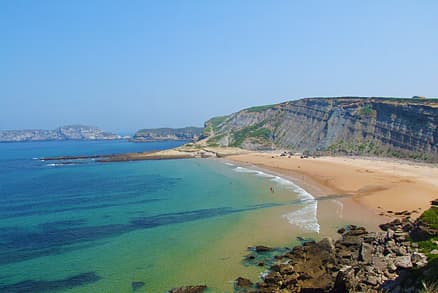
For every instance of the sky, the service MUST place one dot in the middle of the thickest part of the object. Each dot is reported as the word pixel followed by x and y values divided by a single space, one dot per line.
pixel 126 65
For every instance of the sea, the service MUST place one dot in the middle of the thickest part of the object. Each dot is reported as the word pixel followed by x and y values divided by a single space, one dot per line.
pixel 143 226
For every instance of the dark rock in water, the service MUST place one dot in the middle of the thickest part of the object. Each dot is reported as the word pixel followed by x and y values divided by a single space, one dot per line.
pixel 356 231
pixel 284 269
pixel 262 248
pixel 137 285
pixel 242 283
pixel 303 240
pixel 359 261
pixel 434 202
pixel 189 289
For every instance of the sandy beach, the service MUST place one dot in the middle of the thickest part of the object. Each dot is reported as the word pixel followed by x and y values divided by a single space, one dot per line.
pixel 367 187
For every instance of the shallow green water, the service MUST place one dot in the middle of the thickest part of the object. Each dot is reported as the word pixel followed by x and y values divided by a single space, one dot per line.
pixel 99 227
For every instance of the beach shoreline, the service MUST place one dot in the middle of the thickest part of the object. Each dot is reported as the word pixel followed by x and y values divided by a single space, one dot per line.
pixel 371 191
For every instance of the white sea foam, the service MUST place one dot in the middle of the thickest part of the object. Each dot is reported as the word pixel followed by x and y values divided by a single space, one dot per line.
pixel 53 165
pixel 229 164
pixel 264 274
pixel 252 171
pixel 306 217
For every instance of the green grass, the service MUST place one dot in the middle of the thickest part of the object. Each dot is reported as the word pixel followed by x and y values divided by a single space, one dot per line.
pixel 368 111
pixel 216 121
pixel 260 108
pixel 430 287
pixel 213 124
pixel 254 131
pixel 431 217
pixel 428 274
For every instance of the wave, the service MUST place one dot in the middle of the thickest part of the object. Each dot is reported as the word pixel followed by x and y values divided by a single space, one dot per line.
pixel 252 171
pixel 229 164
pixel 306 218
pixel 54 164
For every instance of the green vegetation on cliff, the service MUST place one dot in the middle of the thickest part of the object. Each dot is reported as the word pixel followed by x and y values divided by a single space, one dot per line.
pixel 260 108
pixel 256 132
pixel 395 127
pixel 211 126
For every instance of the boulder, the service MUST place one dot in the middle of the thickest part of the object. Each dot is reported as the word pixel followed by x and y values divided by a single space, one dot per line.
pixel 242 283
pixel 403 262
pixel 366 252
pixel 345 281
pixel 273 278
pixel 284 269
pixel 419 259
pixel 262 248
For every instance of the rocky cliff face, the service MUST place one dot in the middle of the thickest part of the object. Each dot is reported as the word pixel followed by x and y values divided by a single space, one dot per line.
pixel 347 124
pixel 158 134
pixel 70 132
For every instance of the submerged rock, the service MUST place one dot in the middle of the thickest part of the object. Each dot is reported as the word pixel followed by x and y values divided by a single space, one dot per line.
pixel 189 289
pixel 262 248
pixel 137 285
pixel 242 283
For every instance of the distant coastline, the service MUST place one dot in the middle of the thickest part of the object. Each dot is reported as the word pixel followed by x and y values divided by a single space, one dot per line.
pixel 68 132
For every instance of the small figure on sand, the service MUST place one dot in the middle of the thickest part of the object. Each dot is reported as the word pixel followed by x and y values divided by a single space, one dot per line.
pixel 271 189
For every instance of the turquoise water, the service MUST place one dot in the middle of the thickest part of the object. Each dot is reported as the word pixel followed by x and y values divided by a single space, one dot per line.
pixel 99 227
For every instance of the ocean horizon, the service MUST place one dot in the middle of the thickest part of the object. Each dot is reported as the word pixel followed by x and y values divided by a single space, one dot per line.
pixel 143 226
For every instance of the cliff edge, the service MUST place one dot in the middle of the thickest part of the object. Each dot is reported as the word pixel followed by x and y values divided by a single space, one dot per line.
pixel 343 125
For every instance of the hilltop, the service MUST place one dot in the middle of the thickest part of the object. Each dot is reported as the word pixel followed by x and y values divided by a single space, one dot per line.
pixel 159 134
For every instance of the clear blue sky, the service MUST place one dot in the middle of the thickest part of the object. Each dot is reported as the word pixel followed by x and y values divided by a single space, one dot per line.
pixel 124 65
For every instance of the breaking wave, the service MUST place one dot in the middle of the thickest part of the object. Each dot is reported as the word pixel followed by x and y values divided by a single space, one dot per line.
pixel 305 217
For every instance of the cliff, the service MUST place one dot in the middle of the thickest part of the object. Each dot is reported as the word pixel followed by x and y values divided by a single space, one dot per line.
pixel 69 132
pixel 159 134
pixel 351 125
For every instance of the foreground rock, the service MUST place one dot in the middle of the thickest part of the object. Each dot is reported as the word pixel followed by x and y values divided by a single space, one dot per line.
pixel 360 261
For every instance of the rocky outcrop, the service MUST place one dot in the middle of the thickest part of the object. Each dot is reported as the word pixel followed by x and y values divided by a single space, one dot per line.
pixel 339 125
pixel 160 134
pixel 360 261
pixel 70 132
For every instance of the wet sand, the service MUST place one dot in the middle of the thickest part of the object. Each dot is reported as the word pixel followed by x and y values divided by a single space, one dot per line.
pixel 365 188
